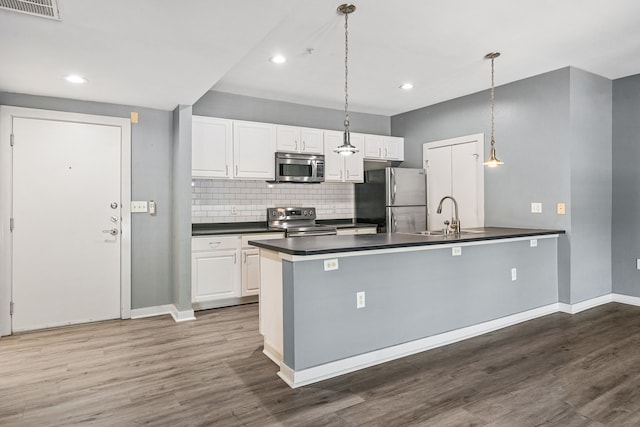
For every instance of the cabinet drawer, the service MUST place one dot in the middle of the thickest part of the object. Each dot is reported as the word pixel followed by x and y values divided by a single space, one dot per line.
pixel 261 236
pixel 212 243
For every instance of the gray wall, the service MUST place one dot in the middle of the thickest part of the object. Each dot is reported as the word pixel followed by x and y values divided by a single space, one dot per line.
pixel 626 182
pixel 229 106
pixel 553 131
pixel 591 186
pixel 150 180
pixel 426 293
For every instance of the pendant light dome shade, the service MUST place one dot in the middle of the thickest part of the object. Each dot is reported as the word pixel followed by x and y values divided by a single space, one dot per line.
pixel 346 149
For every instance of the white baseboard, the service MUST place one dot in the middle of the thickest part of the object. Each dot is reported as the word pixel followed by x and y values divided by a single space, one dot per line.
pixel 626 299
pixel 333 369
pixel 138 313
pixel 585 305
pixel 182 316
pixel 178 316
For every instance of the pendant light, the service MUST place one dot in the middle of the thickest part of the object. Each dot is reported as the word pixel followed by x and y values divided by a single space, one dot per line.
pixel 493 161
pixel 346 149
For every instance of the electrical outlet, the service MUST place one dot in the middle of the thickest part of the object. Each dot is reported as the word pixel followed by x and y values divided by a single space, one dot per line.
pixel 360 299
pixel 139 207
pixel 533 243
pixel 536 207
pixel 331 264
pixel 514 274
pixel 152 207
pixel 560 209
pixel 234 210
pixel 456 251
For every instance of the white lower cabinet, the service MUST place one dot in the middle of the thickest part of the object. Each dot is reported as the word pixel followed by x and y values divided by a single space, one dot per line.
pixel 359 230
pixel 250 272
pixel 215 271
pixel 225 268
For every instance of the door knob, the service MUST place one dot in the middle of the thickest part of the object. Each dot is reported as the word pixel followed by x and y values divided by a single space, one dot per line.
pixel 113 231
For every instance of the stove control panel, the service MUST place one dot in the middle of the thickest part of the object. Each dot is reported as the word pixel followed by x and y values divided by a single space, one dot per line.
pixel 287 214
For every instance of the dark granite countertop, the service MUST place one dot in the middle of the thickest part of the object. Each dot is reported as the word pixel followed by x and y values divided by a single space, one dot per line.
pixel 261 227
pixel 366 242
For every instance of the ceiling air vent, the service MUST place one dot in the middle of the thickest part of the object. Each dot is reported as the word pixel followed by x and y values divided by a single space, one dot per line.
pixel 43 8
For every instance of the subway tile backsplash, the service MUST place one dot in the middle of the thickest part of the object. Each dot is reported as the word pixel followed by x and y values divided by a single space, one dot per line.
pixel 247 201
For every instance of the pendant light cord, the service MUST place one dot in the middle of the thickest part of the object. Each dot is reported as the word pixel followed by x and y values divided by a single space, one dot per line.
pixel 346 71
pixel 493 105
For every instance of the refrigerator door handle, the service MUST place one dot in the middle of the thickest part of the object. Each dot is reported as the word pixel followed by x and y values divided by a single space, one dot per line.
pixel 393 187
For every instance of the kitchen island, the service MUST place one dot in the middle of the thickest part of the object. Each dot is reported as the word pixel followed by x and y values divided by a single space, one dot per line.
pixel 334 304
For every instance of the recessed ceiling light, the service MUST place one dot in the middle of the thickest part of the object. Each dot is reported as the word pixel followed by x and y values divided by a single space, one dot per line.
pixel 278 59
pixel 75 79
pixel 406 86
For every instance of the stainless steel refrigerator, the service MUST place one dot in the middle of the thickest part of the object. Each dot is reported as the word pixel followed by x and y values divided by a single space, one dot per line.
pixel 393 198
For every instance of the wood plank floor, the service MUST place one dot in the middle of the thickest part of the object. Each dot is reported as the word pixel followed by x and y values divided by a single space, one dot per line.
pixel 560 370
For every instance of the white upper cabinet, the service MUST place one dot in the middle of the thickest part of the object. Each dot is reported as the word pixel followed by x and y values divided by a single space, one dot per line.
pixel 212 147
pixel 372 147
pixel 299 140
pixel 339 168
pixel 393 148
pixel 254 145
pixel 235 149
pixel 378 147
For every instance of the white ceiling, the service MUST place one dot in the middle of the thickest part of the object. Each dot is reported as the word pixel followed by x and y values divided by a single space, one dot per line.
pixel 149 53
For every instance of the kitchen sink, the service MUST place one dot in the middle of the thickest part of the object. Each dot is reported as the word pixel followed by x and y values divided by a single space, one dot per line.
pixel 440 233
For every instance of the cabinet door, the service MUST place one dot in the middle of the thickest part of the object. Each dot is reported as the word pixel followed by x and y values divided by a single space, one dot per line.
pixel 393 148
pixel 288 139
pixel 333 162
pixel 347 231
pixel 254 147
pixel 212 147
pixel 250 272
pixel 367 230
pixel 373 147
pixel 312 141
pixel 354 164
pixel 215 275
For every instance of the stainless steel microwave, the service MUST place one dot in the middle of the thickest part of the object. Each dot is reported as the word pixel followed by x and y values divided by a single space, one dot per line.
pixel 295 167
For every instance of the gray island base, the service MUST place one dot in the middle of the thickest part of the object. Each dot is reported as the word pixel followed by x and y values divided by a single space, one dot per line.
pixel 331 305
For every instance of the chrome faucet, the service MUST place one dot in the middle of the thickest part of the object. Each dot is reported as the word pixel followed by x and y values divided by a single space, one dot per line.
pixel 455 222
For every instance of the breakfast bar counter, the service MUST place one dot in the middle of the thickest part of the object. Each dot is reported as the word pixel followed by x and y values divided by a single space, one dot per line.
pixel 330 305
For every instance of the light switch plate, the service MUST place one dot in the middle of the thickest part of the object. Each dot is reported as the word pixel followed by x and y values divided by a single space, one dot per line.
pixel 360 303
pixel 533 243
pixel 560 209
pixel 536 207
pixel 456 251
pixel 139 206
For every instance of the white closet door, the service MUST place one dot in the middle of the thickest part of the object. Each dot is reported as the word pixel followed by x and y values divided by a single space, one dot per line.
pixel 438 185
pixel 465 160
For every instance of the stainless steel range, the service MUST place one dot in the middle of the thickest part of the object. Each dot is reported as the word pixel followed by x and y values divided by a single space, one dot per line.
pixel 297 222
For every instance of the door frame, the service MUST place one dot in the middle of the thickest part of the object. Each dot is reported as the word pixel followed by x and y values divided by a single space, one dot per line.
pixel 7 114
pixel 478 138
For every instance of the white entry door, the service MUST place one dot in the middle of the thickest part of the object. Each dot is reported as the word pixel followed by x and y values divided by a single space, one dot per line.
pixel 66 198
